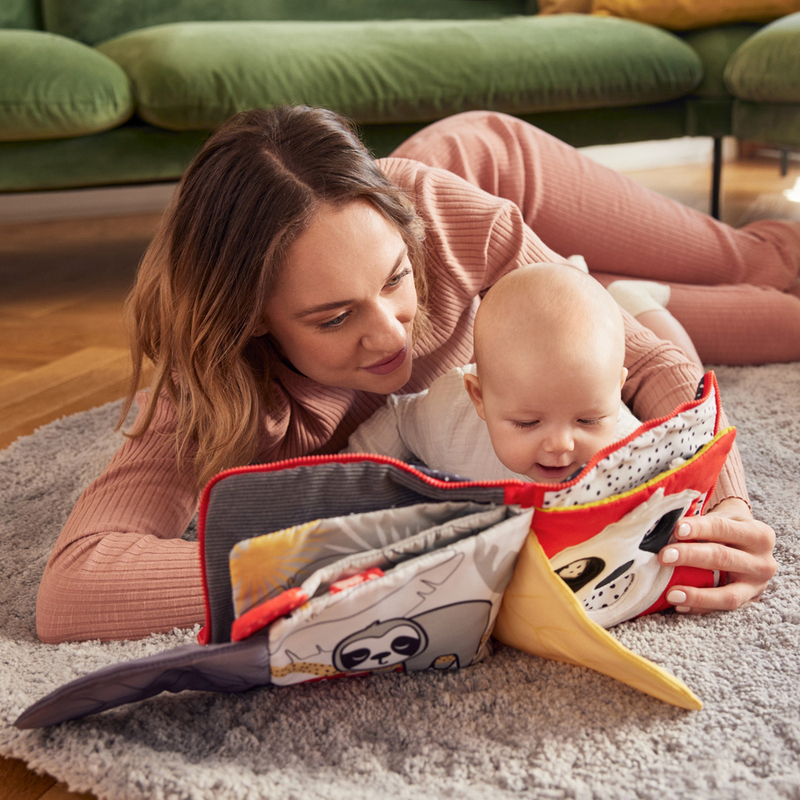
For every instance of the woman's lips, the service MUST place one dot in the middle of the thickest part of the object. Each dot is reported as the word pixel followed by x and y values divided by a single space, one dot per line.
pixel 388 364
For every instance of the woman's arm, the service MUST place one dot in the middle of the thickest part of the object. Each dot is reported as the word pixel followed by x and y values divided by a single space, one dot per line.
pixel 119 569
pixel 727 538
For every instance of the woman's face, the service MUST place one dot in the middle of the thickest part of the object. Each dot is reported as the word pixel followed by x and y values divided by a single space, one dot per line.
pixel 343 308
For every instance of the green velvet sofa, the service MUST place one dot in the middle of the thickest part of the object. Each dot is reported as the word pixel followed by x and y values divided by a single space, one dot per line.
pixel 110 92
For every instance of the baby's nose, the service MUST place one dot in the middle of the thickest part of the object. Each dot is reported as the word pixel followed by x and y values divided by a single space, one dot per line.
pixel 560 441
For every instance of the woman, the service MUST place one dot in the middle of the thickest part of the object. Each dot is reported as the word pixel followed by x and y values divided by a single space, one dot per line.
pixel 296 282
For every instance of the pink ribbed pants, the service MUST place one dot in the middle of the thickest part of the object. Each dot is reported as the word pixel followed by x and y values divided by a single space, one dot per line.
pixel 734 290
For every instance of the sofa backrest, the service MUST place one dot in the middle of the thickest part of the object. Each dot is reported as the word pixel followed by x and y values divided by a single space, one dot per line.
pixel 25 14
pixel 92 22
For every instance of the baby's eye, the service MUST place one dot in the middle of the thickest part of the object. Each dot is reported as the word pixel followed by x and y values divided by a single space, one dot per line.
pixel 526 425
pixel 336 322
pixel 591 421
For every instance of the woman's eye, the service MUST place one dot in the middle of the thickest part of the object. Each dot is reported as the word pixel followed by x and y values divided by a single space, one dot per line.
pixel 335 322
pixel 397 278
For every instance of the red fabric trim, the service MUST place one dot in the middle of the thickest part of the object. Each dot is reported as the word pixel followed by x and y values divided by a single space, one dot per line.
pixel 355 580
pixel 259 617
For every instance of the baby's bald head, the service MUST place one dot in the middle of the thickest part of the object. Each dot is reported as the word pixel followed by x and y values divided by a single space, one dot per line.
pixel 550 350
pixel 552 309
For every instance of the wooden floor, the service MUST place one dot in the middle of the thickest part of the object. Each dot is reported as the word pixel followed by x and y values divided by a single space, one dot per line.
pixel 62 341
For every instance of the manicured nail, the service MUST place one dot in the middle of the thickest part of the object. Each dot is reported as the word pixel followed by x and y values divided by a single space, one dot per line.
pixel 670 555
pixel 676 596
pixel 683 530
pixel 683 609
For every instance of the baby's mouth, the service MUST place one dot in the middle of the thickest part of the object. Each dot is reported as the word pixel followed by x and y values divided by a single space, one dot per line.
pixel 554 473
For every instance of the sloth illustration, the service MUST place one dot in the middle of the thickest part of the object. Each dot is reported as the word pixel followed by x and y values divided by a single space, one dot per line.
pixel 431 640
pixel 383 644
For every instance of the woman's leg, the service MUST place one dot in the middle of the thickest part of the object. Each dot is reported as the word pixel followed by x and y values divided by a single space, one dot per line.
pixel 727 324
pixel 578 206
pixel 739 324
pixel 647 301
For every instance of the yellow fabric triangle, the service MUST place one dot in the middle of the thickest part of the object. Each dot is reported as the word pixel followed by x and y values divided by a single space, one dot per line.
pixel 541 615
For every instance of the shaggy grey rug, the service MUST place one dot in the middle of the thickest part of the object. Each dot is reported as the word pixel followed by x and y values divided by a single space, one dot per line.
pixel 514 726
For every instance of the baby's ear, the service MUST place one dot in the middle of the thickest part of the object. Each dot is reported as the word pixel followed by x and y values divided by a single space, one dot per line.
pixel 473 386
pixel 624 377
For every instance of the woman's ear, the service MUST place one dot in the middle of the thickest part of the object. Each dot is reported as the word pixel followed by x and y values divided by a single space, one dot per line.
pixel 473 386
pixel 261 330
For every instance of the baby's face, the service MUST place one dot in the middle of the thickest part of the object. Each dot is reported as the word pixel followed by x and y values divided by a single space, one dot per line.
pixel 547 423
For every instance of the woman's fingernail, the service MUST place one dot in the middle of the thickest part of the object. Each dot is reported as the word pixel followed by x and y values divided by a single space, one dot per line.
pixel 676 596
pixel 670 555
pixel 683 609
pixel 683 530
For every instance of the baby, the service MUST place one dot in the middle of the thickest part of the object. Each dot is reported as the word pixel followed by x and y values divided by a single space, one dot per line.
pixel 542 398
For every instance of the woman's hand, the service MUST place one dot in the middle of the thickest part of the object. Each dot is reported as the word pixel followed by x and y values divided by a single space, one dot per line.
pixel 727 539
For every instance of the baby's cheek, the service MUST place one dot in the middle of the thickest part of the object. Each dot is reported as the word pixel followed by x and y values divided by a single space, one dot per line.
pixel 516 453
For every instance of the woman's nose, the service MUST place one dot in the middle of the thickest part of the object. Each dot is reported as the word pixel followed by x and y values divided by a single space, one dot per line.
pixel 384 332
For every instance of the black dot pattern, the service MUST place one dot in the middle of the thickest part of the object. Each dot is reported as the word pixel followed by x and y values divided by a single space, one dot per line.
pixel 701 501
pixel 609 594
pixel 648 455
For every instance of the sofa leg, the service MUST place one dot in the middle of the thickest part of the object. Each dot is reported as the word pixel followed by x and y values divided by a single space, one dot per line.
pixel 715 177
pixel 784 161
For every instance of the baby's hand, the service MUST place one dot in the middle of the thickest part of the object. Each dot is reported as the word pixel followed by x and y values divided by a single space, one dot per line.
pixel 727 539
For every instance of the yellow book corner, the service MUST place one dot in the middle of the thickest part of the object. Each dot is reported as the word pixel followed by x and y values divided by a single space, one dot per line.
pixel 541 615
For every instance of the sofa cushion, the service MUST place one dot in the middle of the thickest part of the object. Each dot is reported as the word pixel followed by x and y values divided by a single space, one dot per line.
pixel 766 68
pixel 54 87
pixel 195 75
pixel 715 46
pixel 20 14
pixel 94 21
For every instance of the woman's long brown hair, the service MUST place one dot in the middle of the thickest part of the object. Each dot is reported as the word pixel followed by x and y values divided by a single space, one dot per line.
pixel 201 289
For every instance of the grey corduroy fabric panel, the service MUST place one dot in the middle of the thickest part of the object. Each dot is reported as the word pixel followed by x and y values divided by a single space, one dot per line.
pixel 249 504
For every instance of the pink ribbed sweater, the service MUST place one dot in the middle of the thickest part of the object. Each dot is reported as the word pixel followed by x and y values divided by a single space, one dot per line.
pixel 120 569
